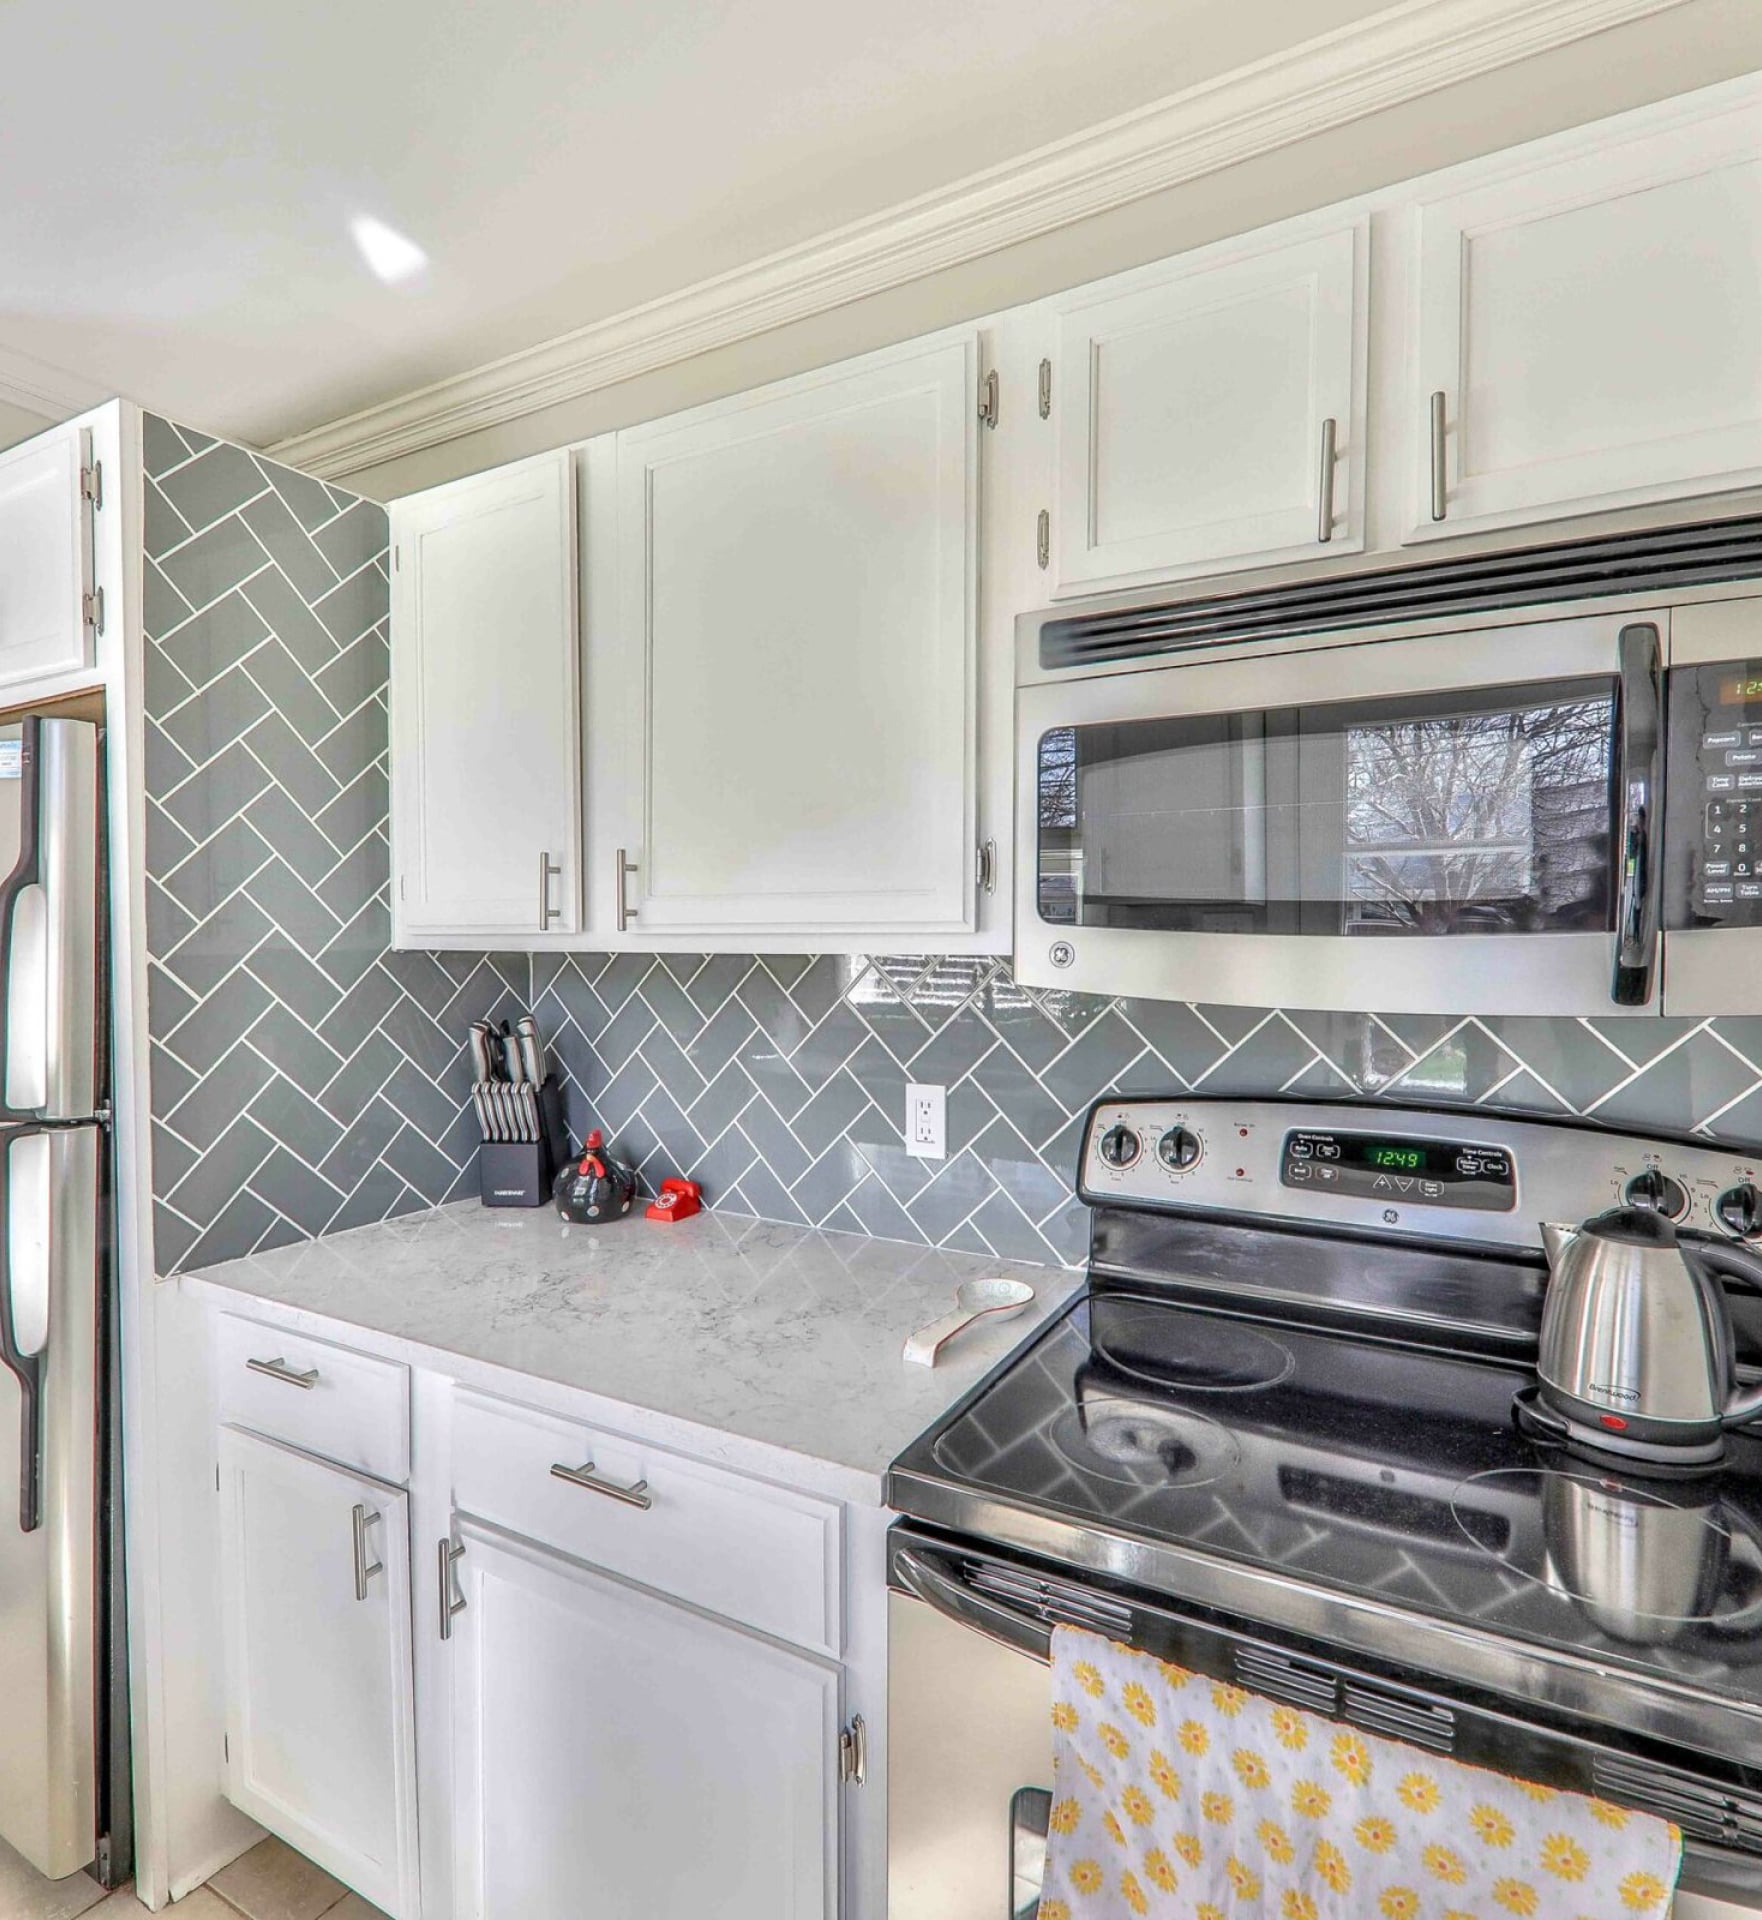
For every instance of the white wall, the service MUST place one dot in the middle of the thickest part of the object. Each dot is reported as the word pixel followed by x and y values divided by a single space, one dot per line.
pixel 19 423
pixel 1674 52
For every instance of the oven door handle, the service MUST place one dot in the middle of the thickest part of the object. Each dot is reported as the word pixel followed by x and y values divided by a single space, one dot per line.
pixel 968 1609
pixel 1636 776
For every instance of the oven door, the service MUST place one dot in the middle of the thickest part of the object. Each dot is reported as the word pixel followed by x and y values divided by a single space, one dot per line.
pixel 969 1734
pixel 969 1767
pixel 1450 823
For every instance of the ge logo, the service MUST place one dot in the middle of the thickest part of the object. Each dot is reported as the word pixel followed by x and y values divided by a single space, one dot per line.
pixel 1390 1216
pixel 1062 954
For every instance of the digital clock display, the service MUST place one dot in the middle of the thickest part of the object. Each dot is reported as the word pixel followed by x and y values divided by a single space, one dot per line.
pixel 1399 1173
pixel 1743 688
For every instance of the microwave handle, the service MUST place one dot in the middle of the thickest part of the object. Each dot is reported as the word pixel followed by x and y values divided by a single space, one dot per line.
pixel 1636 853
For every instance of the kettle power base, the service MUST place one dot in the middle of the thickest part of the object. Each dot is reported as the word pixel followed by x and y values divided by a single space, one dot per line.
pixel 1547 1424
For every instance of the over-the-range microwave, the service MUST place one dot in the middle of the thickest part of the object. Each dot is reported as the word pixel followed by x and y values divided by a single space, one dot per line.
pixel 1337 796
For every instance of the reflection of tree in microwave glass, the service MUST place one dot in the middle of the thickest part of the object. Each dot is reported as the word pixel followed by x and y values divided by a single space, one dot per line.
pixel 1479 821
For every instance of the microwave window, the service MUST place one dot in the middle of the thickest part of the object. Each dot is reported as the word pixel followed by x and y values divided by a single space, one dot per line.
pixel 1457 813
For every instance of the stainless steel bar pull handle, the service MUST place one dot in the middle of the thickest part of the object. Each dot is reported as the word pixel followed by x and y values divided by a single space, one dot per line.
pixel 625 912
pixel 548 870
pixel 278 1369
pixel 364 1570
pixel 1440 471
pixel 635 1495
pixel 1636 852
pixel 1324 513
pixel 449 1607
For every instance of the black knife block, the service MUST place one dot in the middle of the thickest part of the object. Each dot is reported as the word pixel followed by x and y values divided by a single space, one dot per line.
pixel 520 1173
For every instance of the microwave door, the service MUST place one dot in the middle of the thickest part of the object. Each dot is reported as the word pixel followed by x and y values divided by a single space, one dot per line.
pixel 1455 823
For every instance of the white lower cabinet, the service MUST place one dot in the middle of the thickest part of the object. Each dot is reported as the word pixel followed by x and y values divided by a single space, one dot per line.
pixel 320 1727
pixel 618 1754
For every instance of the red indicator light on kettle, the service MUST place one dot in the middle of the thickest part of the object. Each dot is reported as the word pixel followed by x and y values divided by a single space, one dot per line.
pixel 1613 1421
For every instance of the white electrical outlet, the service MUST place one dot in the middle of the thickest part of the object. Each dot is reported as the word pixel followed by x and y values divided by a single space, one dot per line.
pixel 926 1122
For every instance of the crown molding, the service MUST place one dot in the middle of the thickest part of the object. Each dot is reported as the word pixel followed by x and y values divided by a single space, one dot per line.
pixel 40 388
pixel 1399 54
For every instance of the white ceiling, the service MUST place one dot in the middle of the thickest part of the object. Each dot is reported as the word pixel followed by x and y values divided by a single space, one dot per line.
pixel 181 177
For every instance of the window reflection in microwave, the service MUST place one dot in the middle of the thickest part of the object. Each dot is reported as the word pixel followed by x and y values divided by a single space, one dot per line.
pixel 1431 814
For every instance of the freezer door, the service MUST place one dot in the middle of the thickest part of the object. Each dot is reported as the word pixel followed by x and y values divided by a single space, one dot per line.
pixel 49 854
pixel 49 1307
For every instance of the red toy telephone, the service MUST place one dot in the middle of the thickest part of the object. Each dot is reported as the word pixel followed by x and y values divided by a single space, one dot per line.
pixel 677 1200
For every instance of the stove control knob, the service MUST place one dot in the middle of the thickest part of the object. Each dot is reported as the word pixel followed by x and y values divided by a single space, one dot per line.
pixel 1739 1211
pixel 1119 1147
pixel 1178 1149
pixel 1658 1191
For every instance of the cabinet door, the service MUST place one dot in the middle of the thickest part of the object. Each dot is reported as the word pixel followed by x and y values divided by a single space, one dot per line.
pixel 320 1730
pixel 45 559
pixel 485 756
pixel 1212 418
pixel 1588 330
pixel 616 1754
pixel 800 566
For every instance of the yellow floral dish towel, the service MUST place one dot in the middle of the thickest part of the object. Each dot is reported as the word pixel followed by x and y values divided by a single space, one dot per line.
pixel 1181 1798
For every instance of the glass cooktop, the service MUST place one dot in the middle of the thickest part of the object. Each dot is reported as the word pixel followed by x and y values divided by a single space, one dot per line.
pixel 1370 1467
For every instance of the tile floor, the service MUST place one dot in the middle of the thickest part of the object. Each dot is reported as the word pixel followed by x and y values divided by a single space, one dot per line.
pixel 271 1882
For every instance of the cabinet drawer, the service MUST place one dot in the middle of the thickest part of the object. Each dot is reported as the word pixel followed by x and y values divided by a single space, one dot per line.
pixel 754 1553
pixel 347 1407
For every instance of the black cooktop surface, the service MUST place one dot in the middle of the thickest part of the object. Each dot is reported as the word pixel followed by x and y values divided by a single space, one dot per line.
pixel 1382 1469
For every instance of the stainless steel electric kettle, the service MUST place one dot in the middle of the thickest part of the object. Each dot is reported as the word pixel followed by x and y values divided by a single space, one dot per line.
pixel 1637 1353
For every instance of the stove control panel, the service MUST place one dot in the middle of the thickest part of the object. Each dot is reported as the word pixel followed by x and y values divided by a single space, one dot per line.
pixel 1400 1167
pixel 1432 1173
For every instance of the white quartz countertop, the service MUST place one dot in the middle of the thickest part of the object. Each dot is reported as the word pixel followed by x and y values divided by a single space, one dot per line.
pixel 778 1335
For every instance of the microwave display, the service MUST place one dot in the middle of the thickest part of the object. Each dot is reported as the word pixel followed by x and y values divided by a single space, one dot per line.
pixel 1483 812
pixel 1713 799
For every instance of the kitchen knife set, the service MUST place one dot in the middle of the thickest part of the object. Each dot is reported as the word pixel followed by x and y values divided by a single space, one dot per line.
pixel 520 1112
pixel 507 1071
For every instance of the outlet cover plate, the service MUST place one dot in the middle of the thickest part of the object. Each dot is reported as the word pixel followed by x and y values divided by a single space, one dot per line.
pixel 926 1122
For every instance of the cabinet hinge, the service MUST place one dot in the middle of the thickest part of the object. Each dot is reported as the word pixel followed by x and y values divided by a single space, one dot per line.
pixel 403 886
pixel 853 1752
pixel 985 866
pixel 92 485
pixel 1043 539
pixel 988 398
pixel 1046 389
pixel 397 559
pixel 92 609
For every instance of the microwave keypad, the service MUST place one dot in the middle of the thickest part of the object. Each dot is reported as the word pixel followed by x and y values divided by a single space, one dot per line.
pixel 1713 824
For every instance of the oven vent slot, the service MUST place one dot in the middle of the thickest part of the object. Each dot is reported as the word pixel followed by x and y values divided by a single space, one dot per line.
pixel 1057 1602
pixel 1720 1814
pixel 1528 576
pixel 1414 1721
pixel 1419 1722
pixel 1314 1688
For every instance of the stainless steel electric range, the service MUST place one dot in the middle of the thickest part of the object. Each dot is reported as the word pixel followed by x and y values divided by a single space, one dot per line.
pixel 1278 1438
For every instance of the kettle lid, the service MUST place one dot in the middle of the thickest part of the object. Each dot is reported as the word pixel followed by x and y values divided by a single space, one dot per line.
pixel 1636 1226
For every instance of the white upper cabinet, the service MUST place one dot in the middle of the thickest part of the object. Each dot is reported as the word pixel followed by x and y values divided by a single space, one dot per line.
pixel 45 559
pixel 797 584
pixel 486 720
pixel 1588 329
pixel 320 1720
pixel 1211 417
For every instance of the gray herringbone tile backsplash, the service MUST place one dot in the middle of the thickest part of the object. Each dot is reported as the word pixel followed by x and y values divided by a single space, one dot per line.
pixel 307 1079
pixel 304 1078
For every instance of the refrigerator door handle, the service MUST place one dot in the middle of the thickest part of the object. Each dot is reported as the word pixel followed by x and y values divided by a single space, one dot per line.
pixel 24 1363
pixel 27 872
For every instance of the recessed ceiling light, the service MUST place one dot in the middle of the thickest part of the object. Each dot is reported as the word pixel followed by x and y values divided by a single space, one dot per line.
pixel 387 252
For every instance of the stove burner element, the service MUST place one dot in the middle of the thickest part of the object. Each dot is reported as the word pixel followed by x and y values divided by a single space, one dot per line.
pixel 1641 1565
pixel 1185 1352
pixel 1138 1444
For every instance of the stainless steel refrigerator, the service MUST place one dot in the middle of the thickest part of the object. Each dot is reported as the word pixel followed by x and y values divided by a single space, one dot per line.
pixel 63 1717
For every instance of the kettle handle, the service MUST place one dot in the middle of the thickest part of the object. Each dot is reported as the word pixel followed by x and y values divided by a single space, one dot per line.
pixel 1732 1263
